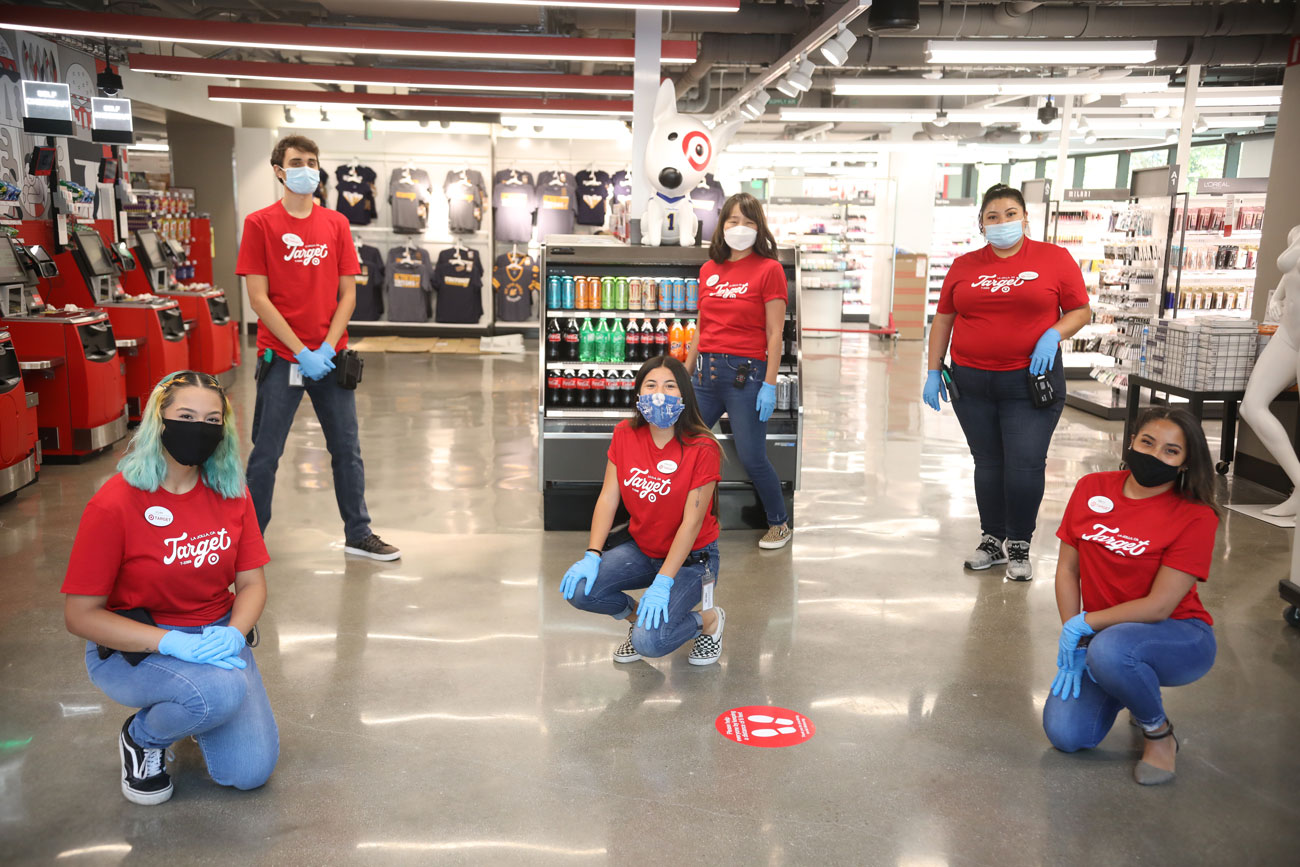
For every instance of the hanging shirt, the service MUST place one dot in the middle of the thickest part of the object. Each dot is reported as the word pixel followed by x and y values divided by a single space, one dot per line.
pixel 408 280
pixel 655 482
pixel 302 261
pixel 593 190
pixel 322 195
pixel 458 279
pixel 465 197
pixel 508 174
pixel 563 178
pixel 556 208
pixel 621 184
pixel 707 201
pixel 356 193
pixel 175 555
pixel 514 281
pixel 409 193
pixel 1122 542
pixel 370 286
pixel 733 304
pixel 514 203
pixel 1003 306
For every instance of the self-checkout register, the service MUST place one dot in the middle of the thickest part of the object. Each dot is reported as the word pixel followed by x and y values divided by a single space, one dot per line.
pixel 212 331
pixel 19 451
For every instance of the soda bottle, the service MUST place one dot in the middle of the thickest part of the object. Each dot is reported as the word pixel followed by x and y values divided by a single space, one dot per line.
pixel 572 342
pixel 554 378
pixel 569 388
pixel 632 342
pixel 600 345
pixel 690 335
pixel 617 343
pixel 582 384
pixel 661 338
pixel 554 339
pixel 588 339
pixel 629 389
pixel 613 389
pixel 596 387
pixel 677 340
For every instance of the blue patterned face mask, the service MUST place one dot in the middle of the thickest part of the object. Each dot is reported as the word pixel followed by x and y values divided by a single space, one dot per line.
pixel 661 410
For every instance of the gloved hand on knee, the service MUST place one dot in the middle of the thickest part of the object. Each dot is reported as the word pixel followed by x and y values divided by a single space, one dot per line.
pixel 1071 632
pixel 185 647
pixel 1070 678
pixel 584 569
pixel 221 642
pixel 652 611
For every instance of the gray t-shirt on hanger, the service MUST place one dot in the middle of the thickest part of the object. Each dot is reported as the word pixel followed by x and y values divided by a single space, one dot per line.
pixel 409 285
pixel 409 194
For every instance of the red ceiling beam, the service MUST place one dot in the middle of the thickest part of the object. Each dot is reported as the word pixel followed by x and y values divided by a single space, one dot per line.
pixel 344 40
pixel 616 5
pixel 425 102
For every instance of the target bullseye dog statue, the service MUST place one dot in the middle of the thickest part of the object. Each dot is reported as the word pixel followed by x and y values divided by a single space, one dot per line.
pixel 680 151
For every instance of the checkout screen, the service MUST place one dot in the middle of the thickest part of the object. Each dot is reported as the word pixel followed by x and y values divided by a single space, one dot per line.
pixel 152 252
pixel 11 270
pixel 92 247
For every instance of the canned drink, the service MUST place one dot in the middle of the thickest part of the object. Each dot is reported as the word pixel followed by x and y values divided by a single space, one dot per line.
pixel 784 390
pixel 649 293
pixel 620 293
pixel 554 292
pixel 666 294
pixel 583 294
pixel 568 293
pixel 692 294
pixel 634 293
pixel 606 294
pixel 679 293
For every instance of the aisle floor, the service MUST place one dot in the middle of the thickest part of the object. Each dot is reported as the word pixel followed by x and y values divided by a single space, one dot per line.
pixel 451 708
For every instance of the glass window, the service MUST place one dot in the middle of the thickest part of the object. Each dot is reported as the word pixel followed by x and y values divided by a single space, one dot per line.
pixel 1021 172
pixel 988 175
pixel 1050 173
pixel 1099 171
pixel 1205 162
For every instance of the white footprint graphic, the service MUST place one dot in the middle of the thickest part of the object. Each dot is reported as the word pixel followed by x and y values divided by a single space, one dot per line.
pixel 786 726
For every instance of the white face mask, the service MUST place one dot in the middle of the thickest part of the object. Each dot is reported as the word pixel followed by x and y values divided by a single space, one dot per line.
pixel 740 237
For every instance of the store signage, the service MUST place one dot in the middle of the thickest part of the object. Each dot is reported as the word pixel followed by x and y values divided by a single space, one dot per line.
pixel 110 121
pixel 1225 186
pixel 1037 191
pixel 764 726
pixel 1115 194
pixel 1156 182
pixel 47 108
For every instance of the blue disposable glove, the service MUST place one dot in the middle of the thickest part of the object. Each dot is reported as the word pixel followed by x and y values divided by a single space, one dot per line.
pixel 934 389
pixel 766 401
pixel 584 569
pixel 1070 677
pixel 1043 358
pixel 326 352
pixel 312 365
pixel 1073 629
pixel 185 647
pixel 652 612
pixel 221 642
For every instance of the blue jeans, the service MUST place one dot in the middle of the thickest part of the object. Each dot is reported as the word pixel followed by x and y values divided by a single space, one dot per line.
pixel 624 568
pixel 336 408
pixel 1129 662
pixel 1008 437
pixel 227 712
pixel 715 390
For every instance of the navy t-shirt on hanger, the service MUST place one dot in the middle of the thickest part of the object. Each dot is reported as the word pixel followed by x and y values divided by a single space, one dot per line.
pixel 593 190
pixel 356 193
pixel 515 201
pixel 458 280
pixel 370 285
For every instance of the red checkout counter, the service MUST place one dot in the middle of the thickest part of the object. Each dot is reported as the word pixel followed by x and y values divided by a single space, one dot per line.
pixel 19 452
pixel 149 331
pixel 68 356
pixel 213 334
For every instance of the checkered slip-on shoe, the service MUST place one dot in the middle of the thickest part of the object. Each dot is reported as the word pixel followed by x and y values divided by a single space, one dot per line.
pixel 708 648
pixel 625 652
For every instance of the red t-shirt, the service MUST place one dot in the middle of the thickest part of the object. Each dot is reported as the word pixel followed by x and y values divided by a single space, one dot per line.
pixel 733 304
pixel 1004 305
pixel 1122 542
pixel 302 261
pixel 655 482
pixel 175 555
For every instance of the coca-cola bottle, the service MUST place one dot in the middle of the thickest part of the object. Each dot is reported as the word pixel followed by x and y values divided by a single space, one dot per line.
pixel 554 380
pixel 661 338
pixel 613 389
pixel 572 336
pixel 632 342
pixel 554 339
pixel 596 387
pixel 629 389
pixel 569 389
pixel 582 384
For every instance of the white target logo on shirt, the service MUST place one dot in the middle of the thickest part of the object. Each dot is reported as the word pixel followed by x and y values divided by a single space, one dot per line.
pixel 1116 542
pixel 647 485
pixel 301 251
pixel 198 551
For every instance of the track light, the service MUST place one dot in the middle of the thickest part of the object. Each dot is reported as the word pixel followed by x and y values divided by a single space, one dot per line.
pixel 756 106
pixel 1172 138
pixel 288 115
pixel 941 119
pixel 800 77
pixel 836 49
pixel 1201 125
pixel 1026 138
pixel 787 88
pixel 324 116
pixel 1089 137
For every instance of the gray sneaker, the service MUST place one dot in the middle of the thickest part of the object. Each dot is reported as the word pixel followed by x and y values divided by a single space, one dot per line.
pixel 987 554
pixel 1018 566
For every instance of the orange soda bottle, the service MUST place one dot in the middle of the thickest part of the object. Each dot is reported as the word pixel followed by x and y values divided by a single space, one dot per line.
pixel 690 338
pixel 677 340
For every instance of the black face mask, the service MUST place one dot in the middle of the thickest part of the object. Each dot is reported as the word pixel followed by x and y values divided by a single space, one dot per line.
pixel 191 442
pixel 1148 470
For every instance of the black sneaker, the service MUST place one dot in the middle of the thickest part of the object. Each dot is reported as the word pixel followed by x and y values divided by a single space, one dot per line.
pixel 708 648
pixel 144 775
pixel 373 547
pixel 625 652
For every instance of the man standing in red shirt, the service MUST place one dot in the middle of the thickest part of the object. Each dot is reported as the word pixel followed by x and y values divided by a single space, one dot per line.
pixel 300 267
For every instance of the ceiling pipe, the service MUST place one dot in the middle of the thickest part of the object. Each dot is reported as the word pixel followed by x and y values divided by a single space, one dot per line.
pixel 1170 52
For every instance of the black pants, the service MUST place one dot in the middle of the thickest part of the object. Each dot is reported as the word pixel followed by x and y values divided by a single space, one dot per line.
pixel 1008 437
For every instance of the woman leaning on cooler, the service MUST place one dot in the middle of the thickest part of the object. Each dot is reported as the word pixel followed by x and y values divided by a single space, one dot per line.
pixel 743 294
pixel 148 586
pixel 1134 545
pixel 1006 308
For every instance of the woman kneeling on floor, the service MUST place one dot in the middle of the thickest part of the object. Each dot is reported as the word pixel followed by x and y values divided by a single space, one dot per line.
pixel 148 586
pixel 664 464
pixel 1133 545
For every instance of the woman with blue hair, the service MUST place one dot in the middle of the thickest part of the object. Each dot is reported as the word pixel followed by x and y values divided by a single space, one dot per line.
pixel 148 587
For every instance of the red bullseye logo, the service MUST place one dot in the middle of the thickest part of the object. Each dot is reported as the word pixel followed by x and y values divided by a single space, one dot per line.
pixel 763 726
pixel 698 149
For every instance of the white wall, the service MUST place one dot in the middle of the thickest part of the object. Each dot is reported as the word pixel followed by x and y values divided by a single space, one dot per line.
pixel 1256 158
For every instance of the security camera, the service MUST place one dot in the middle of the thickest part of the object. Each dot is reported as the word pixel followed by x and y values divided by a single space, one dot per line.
pixel 109 82
pixel 1048 112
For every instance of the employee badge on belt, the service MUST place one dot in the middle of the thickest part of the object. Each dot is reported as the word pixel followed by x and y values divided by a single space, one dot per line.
pixel 295 376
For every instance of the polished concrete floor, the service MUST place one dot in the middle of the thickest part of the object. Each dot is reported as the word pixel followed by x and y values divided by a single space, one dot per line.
pixel 451 708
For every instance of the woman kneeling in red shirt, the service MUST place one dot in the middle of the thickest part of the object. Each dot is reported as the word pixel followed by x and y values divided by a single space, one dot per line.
pixel 1133 545
pixel 664 464
pixel 148 586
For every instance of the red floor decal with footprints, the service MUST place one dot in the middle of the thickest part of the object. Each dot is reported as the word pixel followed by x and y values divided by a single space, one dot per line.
pixel 762 726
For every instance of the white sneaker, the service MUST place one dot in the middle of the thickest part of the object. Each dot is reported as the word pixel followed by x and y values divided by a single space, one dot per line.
pixel 1018 566
pixel 989 553
pixel 625 652
pixel 708 648
pixel 777 537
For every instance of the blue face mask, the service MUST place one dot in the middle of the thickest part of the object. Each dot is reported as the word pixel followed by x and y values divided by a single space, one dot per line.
pixel 302 180
pixel 661 410
pixel 1003 235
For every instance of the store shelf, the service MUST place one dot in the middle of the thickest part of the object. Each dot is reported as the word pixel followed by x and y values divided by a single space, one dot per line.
pixel 621 314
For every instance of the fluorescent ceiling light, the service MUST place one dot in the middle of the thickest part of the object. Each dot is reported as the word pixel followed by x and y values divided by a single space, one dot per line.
pixel 160 147
pixel 1047 52
pixel 882 86
pixel 858 115
pixel 420 102
pixel 429 79
pixel 1209 97
pixel 342 40
pixel 1224 121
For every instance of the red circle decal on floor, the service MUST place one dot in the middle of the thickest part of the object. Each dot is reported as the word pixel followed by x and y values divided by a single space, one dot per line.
pixel 762 726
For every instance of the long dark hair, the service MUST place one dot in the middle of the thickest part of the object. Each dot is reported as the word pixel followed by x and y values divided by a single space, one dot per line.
pixel 764 244
pixel 690 421
pixel 1196 481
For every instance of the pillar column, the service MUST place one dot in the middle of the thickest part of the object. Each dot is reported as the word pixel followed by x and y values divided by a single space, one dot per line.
pixel 645 85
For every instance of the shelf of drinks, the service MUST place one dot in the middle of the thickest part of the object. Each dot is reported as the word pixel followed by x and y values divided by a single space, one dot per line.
pixel 786 366
pixel 620 413
pixel 622 314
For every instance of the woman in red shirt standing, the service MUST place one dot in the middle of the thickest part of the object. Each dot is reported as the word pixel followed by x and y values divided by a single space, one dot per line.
pixel 663 465
pixel 743 296
pixel 1134 544
pixel 148 587
pixel 1006 308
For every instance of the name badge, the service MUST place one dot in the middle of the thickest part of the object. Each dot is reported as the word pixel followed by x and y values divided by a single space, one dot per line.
pixel 295 376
